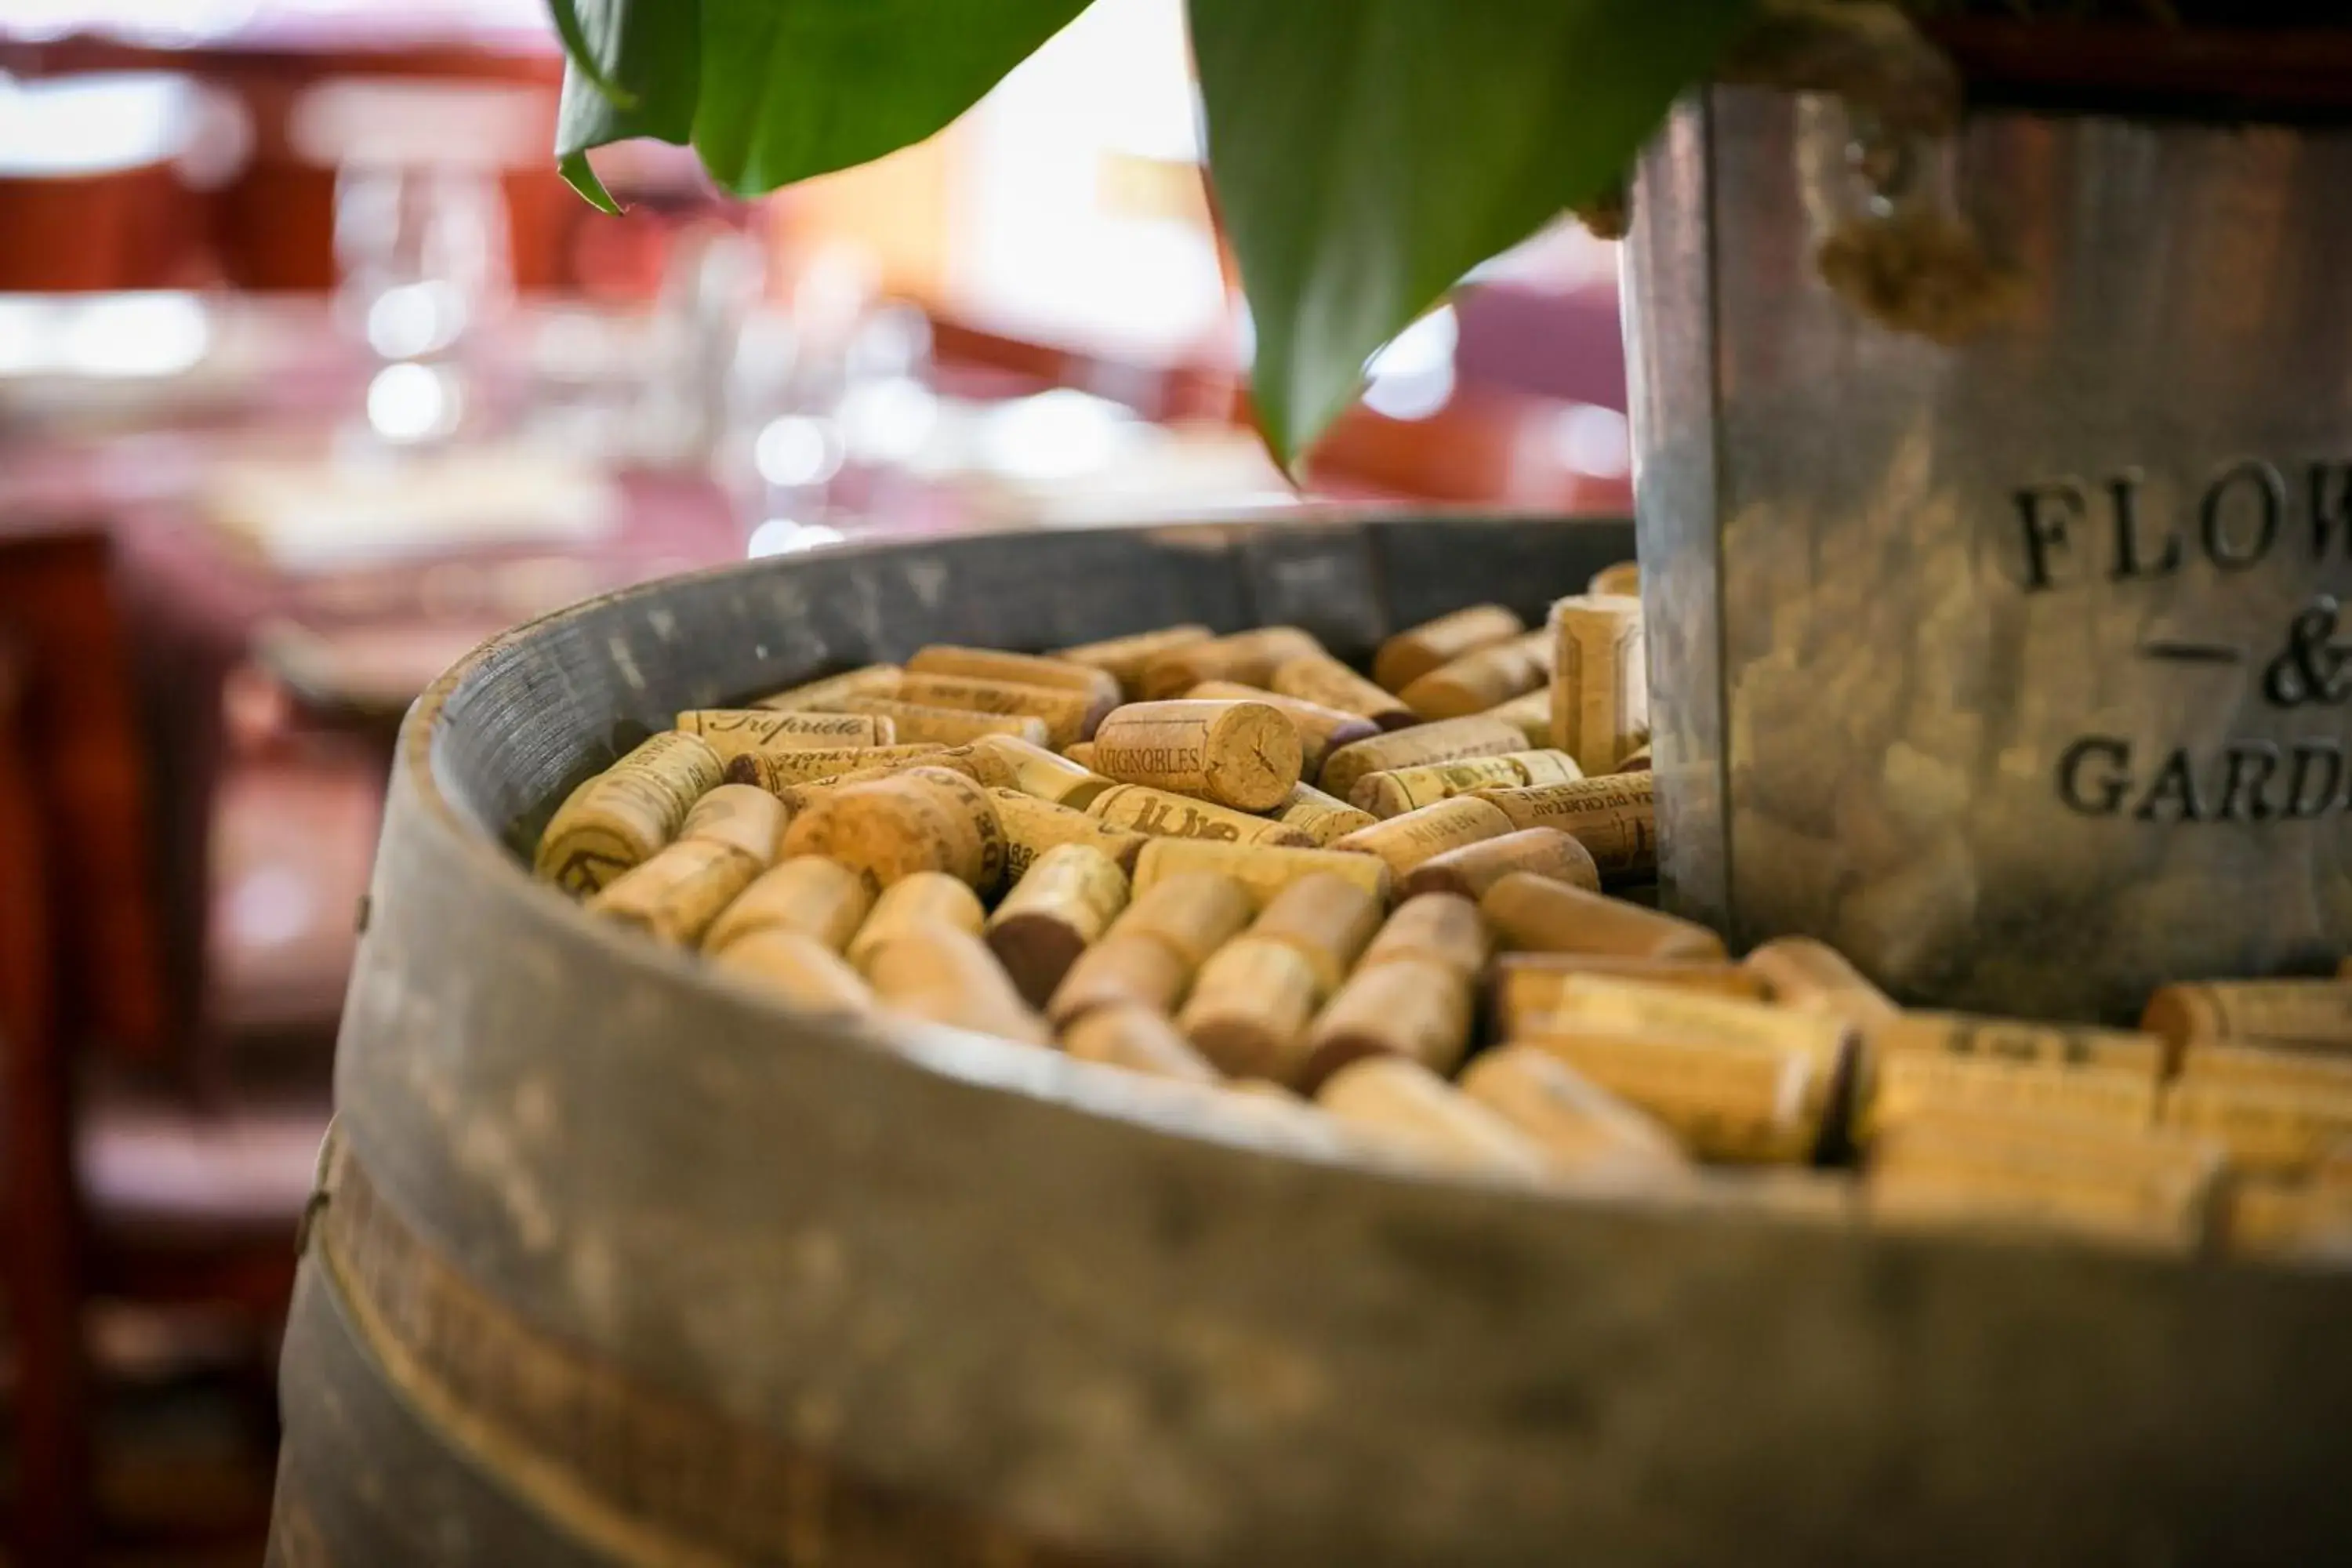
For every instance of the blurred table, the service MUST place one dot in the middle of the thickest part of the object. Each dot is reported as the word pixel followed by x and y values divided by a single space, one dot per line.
pixel 140 398
pixel 271 225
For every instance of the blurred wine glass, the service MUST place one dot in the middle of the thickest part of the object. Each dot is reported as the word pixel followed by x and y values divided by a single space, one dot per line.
pixel 424 258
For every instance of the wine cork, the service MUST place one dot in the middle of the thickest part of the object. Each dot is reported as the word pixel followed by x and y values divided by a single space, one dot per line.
pixel 1478 681
pixel 1599 680
pixel 1415 651
pixel 2333 1167
pixel 1249 1007
pixel 1637 761
pixel 1320 730
pixel 1814 977
pixel 2265 1126
pixel 1905 1085
pixel 2020 1040
pixel 945 726
pixel 1723 1099
pixel 732 731
pixel 1032 827
pixel 1068 715
pixel 925 819
pixel 1123 659
pixel 1409 1109
pixel 799 797
pixel 809 895
pixel 1059 908
pixel 1536 914
pixel 1393 791
pixel 2303 1068
pixel 1614 1002
pixel 1614 817
pixel 1537 851
pixel 1194 912
pixel 798 968
pixel 1320 816
pixel 1476 736
pixel 744 816
pixel 1011 762
pixel 947 977
pixel 1620 580
pixel 1126 1036
pixel 1099 687
pixel 2315 1012
pixel 1081 752
pixel 676 892
pixel 1529 714
pixel 1526 987
pixel 2087 1178
pixel 1579 1125
pixel 1409 1006
pixel 1159 814
pixel 1244 755
pixel 1328 919
pixel 2268 1216
pixel 1264 869
pixel 1250 658
pixel 1124 969
pixel 1436 928
pixel 1405 842
pixel 1319 678
pixel 915 902
pixel 872 680
pixel 781 771
pixel 621 817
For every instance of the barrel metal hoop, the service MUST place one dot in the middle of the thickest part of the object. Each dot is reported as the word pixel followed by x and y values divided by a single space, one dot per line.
pixel 646 1477
pixel 323 1176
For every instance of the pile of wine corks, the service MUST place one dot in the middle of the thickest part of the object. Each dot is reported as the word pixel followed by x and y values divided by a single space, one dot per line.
pixel 1410 901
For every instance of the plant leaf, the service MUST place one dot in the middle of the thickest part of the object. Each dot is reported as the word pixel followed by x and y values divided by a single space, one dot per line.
pixel 1367 153
pixel 581 175
pixel 770 92
pixel 580 54
pixel 792 90
pixel 634 69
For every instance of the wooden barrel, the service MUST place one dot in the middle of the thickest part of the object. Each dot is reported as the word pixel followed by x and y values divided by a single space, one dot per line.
pixel 617 1261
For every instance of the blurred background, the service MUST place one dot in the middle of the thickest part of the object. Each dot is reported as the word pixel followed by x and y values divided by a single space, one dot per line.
pixel 313 374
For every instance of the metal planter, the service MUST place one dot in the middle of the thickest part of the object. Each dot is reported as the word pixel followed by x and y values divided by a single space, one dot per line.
pixel 2011 667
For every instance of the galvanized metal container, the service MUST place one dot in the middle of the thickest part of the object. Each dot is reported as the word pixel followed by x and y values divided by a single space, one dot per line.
pixel 2011 666
pixel 617 1261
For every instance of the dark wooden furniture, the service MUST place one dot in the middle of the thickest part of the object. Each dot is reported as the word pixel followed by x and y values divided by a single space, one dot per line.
pixel 120 1181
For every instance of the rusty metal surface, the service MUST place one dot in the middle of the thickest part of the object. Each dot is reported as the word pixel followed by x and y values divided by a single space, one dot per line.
pixel 1030 1288
pixel 2012 666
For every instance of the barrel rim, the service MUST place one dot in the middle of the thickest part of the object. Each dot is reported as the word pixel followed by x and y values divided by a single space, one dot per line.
pixel 982 1061
pixel 1141 1102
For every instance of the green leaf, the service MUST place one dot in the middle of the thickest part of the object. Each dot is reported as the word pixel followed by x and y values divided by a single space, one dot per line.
pixel 1367 153
pixel 581 175
pixel 580 54
pixel 770 92
pixel 792 90
pixel 634 70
